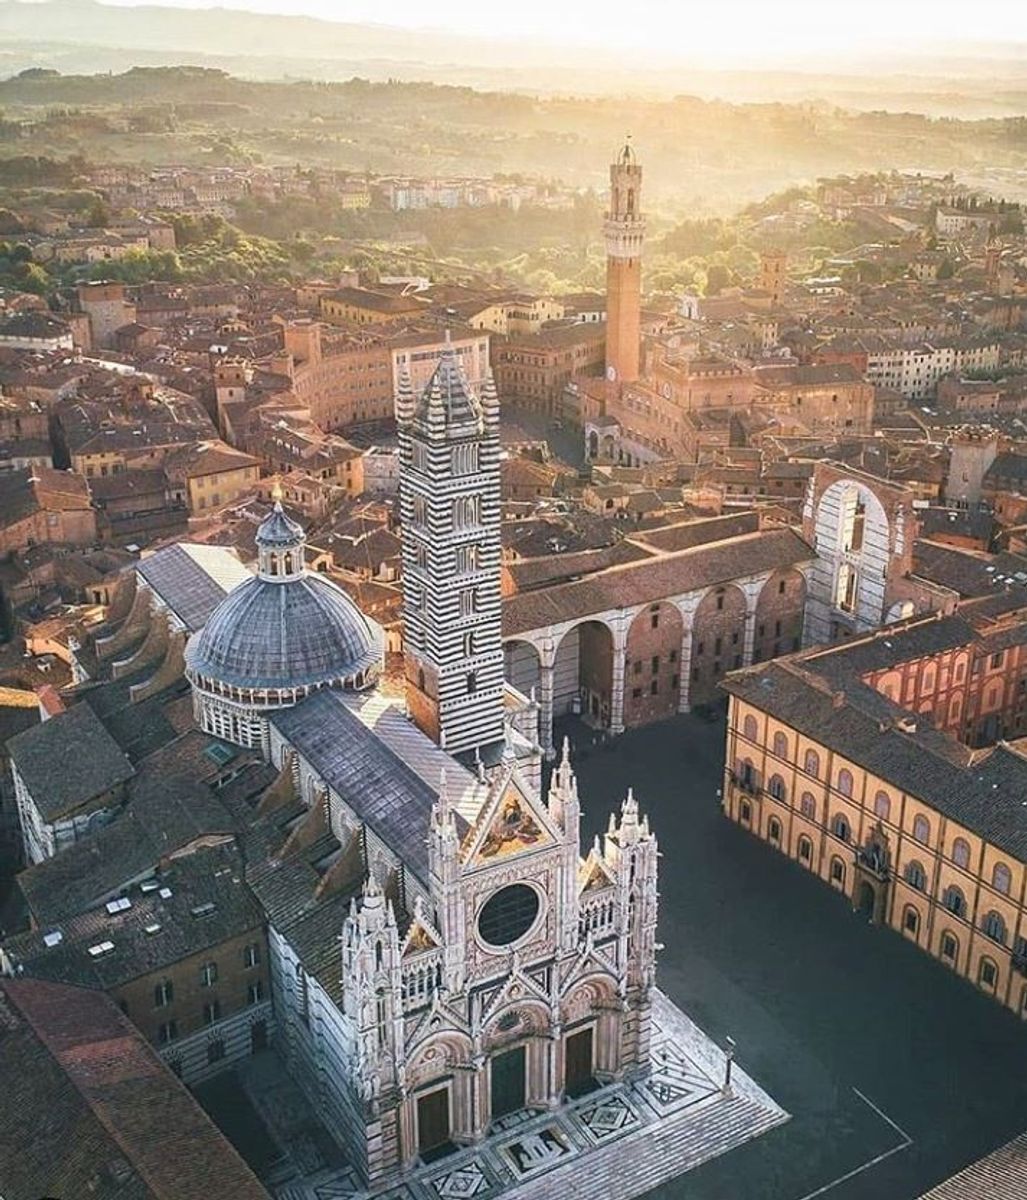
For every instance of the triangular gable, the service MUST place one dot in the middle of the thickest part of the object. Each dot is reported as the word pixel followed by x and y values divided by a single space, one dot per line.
pixel 593 875
pixel 422 934
pixel 512 821
pixel 516 988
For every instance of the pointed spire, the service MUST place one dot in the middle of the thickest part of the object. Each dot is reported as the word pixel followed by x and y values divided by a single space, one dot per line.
pixel 405 398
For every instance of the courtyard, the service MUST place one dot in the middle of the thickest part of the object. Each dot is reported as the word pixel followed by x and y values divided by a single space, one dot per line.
pixel 895 1072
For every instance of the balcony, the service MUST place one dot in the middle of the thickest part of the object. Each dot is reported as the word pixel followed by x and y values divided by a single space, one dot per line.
pixel 874 861
pixel 749 786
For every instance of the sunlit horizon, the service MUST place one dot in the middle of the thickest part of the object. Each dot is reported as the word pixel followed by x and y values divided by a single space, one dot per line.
pixel 740 33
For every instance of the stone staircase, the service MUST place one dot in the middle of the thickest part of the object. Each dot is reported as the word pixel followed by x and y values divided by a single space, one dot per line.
pixel 636 1164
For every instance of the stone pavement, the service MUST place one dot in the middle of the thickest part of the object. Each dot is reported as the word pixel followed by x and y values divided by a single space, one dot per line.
pixel 626 1138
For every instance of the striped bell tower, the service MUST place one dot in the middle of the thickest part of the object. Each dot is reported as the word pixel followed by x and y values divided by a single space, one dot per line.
pixel 450 509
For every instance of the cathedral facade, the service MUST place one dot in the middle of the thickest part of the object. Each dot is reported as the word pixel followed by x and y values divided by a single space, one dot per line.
pixel 442 953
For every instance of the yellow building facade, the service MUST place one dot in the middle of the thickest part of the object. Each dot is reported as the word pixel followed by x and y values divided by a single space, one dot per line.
pixel 938 864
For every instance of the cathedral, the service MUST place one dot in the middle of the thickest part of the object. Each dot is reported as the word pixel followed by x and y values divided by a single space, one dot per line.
pixel 454 959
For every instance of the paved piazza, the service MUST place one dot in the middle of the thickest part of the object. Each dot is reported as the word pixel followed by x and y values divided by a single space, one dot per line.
pixel 895 1073
pixel 625 1139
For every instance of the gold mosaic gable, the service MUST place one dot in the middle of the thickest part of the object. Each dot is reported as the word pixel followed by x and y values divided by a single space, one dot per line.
pixel 513 829
pixel 419 939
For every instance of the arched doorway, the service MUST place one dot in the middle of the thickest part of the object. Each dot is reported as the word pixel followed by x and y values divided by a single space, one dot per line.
pixel 866 901
pixel 593 444
pixel 583 674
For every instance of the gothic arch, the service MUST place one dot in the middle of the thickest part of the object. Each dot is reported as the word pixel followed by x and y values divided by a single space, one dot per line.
pixel 437 1054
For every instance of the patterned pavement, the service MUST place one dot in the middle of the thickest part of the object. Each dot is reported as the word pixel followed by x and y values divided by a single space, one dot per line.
pixel 628 1137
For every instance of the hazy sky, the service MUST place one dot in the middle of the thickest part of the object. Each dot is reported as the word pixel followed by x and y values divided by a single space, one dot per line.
pixel 718 29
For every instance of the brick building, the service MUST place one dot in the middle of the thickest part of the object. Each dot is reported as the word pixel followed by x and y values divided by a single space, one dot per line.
pixel 647 628
pixel 845 760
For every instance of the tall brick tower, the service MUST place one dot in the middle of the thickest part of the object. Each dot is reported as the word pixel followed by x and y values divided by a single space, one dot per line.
pixel 625 233
pixel 773 265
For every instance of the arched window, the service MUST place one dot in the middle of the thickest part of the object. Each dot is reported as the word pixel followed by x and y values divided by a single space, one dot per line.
pixel 805 849
pixel 774 831
pixel 838 872
pixel 776 787
pixel 808 805
pixel 987 974
pixel 954 900
pixel 995 927
pixel 840 827
pixel 845 781
pixel 882 805
pixel 911 921
pixel 961 853
pixel 922 829
pixel 745 811
pixel 916 877
pixel 749 727
pixel 780 745
pixel 1001 879
pixel 927 683
pixel 949 948
pixel 811 764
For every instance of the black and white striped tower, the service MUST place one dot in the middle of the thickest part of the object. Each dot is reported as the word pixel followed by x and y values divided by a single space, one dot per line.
pixel 450 508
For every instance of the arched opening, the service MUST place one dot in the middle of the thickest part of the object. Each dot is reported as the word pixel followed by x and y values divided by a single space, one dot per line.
pixel 522 666
pixel 593 444
pixel 652 670
pixel 718 643
pixel 866 900
pixel 583 674
pixel 779 612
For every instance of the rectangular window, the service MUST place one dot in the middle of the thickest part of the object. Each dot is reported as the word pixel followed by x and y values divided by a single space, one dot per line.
pixel 636 693
pixel 654 687
pixel 468 602
pixel 467 559
pixel 208 974
pixel 655 665
pixel 211 1012
pixel 167 1032
pixel 255 993
pixel 163 994
pixel 251 954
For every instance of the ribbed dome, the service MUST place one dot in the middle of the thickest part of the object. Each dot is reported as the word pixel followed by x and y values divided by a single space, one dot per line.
pixel 284 634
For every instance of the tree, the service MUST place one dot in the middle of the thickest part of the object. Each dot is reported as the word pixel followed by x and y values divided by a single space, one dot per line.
pixel 717 278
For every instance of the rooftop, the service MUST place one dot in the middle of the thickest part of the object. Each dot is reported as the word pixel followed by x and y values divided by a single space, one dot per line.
pixel 68 761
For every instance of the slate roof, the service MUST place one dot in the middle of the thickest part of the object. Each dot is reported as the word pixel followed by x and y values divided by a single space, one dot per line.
pixel 163 816
pixel 154 932
pixel 285 633
pixel 88 1109
pixel 370 778
pixel 983 793
pixel 694 569
pixel 192 579
pixel 68 761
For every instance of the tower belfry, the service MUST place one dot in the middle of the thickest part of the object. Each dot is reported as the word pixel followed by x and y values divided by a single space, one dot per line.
pixel 450 506
pixel 624 228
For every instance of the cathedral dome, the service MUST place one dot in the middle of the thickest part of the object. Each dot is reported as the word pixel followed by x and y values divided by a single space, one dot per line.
pixel 297 633
pixel 277 637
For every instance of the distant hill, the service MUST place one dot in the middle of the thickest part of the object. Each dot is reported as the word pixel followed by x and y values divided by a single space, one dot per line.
pixel 85 37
